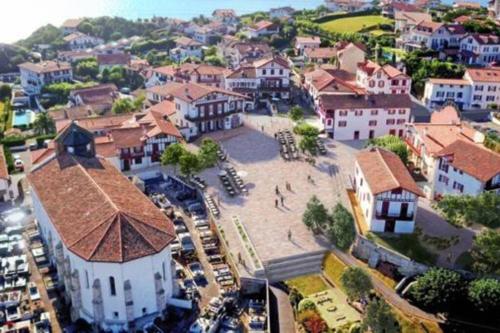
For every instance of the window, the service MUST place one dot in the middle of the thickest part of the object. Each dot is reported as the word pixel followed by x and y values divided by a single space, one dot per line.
pixel 459 95
pixel 264 72
pixel 490 98
pixel 395 82
pixel 87 284
pixel 343 113
pixel 391 111
pixel 403 82
pixel 112 286
pixel 281 72
pixel 358 113
pixel 164 271
pixel 342 123
pixel 492 88
pixel 389 122
pixel 477 97
pixel 381 84
pixel 397 191
pixel 443 179
pixel 402 111
pixel 361 182
pixel 401 121
pixel 272 71
pixel 372 123
pixel 374 112
pixel 478 88
pixel 116 315
pixel 372 84
pixel 458 186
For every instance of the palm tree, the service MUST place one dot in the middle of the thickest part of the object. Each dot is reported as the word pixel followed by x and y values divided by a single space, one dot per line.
pixel 44 124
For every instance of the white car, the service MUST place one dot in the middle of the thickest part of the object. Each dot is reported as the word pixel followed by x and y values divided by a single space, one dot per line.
pixel 33 290
pixel 200 223
pixel 18 164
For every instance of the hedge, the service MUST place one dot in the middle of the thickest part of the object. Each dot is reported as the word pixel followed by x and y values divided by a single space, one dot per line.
pixel 12 141
pixel 331 17
pixel 9 160
pixel 40 139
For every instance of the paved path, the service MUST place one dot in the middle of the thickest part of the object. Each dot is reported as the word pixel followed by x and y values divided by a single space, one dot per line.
pixel 387 293
pixel 434 225
pixel 285 311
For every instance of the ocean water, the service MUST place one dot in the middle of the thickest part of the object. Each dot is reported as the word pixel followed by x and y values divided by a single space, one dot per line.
pixel 21 17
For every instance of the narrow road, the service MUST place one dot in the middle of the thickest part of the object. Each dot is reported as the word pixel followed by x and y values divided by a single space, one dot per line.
pixel 389 294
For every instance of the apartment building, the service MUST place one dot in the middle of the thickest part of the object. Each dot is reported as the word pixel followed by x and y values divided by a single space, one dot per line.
pixel 34 76
pixel 384 79
pixel 386 192
pixel 306 42
pixel 77 41
pixel 186 47
pixel 236 52
pixel 405 21
pixel 200 108
pixel 432 35
pixel 355 117
pixel 479 49
pixel 261 28
pixel 479 88
pixel 345 55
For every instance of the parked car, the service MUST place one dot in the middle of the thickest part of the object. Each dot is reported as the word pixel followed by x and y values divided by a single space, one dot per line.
pixel 180 228
pixel 187 245
pixel 18 163
pixel 196 269
pixel 33 291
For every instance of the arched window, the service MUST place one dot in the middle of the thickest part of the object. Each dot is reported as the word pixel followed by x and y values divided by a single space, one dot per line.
pixel 112 286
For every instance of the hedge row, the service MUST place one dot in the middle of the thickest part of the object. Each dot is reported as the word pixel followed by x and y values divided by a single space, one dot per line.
pixel 331 17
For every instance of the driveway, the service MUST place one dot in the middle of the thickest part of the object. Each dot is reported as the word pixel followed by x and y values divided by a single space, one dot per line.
pixel 432 224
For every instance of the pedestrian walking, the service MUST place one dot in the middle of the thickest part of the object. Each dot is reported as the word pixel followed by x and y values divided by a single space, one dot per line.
pixel 289 187
pixel 309 178
pixel 276 203
pixel 289 234
pixel 277 190
pixel 282 198
pixel 262 128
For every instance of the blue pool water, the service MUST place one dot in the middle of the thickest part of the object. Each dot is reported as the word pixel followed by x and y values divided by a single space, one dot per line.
pixel 24 117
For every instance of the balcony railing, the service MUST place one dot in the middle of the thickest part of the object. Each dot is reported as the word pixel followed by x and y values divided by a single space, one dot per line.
pixel 132 154
pixel 400 217
pixel 214 115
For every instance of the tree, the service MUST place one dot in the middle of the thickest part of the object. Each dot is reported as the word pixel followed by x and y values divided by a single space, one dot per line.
pixel 315 324
pixel 379 318
pixel 438 289
pixel 309 144
pixel 296 113
pixel 126 105
pixel 486 252
pixel 392 143
pixel 356 282
pixel 44 124
pixel 208 152
pixel 215 61
pixel 189 163
pixel 5 92
pixel 465 209
pixel 315 215
pixel 295 297
pixel 306 304
pixel 484 294
pixel 342 231
pixel 306 129
pixel 87 68
pixel 172 155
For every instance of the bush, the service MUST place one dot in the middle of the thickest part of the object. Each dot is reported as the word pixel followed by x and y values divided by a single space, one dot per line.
pixel 40 139
pixel 9 160
pixel 328 18
pixel 12 141
pixel 305 129
pixel 306 304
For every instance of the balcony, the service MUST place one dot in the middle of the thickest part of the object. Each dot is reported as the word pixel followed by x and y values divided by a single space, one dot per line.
pixel 400 217
pixel 416 150
pixel 491 187
pixel 213 116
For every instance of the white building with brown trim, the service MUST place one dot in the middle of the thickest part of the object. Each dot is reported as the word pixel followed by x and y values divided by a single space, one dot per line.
pixel 345 55
pixel 77 41
pixel 386 192
pixel 306 42
pixel 355 117
pixel 200 108
pixel 384 79
pixel 185 48
pixel 480 49
pixel 237 53
pixel 261 28
pixel 109 242
pixel 34 76
pixel 465 168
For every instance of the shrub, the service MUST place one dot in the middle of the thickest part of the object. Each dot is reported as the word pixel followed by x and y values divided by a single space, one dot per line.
pixel 306 304
pixel 305 129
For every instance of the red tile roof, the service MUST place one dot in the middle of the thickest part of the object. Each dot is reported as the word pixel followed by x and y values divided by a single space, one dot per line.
pixel 113 59
pixel 321 52
pixel 277 59
pixel 185 41
pixel 45 66
pixel 447 115
pixel 491 74
pixel 485 39
pixel 384 171
pixel 189 92
pixel 261 25
pixel 380 101
pixel 475 160
pixel 98 213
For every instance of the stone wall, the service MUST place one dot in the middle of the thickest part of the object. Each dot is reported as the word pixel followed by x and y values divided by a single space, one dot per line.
pixel 373 253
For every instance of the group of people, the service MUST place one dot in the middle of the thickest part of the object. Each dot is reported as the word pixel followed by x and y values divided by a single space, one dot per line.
pixel 280 196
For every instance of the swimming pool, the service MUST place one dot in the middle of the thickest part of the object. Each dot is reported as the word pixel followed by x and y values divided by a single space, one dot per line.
pixel 23 117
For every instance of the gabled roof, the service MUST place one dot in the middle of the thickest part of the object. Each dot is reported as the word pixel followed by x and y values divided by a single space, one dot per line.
pixel 321 52
pixel 484 39
pixel 185 41
pixel 371 68
pixel 384 171
pixel 98 213
pixel 333 80
pixel 307 40
pixel 475 160
pixel 189 92
pixel 277 59
pixel 75 35
pixel 113 59
pixel 45 66
pixel 261 25
pixel 447 115
pixel 412 17
pixel 489 74
pixel 384 101
pixel 72 23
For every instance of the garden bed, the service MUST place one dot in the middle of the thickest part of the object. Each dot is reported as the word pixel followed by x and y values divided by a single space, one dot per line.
pixel 354 24
pixel 308 284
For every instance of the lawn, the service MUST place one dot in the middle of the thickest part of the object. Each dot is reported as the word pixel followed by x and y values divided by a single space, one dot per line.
pixel 408 245
pixel 333 268
pixel 354 24
pixel 308 284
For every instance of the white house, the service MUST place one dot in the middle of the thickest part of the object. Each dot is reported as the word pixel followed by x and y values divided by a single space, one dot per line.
pixel 304 42
pixel 34 76
pixel 432 35
pixel 480 49
pixel 348 5
pixel 466 168
pixel 79 41
pixel 386 192
pixel 404 21
pixel 267 77
pixel 200 108
pixel 71 25
pixel 110 243
pixel 384 79
pixel 113 59
pixel 204 35
pixel 479 88
pixel 261 28
pixel 236 52
pixel 185 48
pixel 346 55
pixel 226 16
pixel 4 177
pixel 359 117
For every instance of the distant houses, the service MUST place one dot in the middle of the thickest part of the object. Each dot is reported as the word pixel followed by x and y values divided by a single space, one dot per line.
pixel 34 76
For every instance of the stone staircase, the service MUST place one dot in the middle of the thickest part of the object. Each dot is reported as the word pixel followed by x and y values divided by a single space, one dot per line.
pixel 294 266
